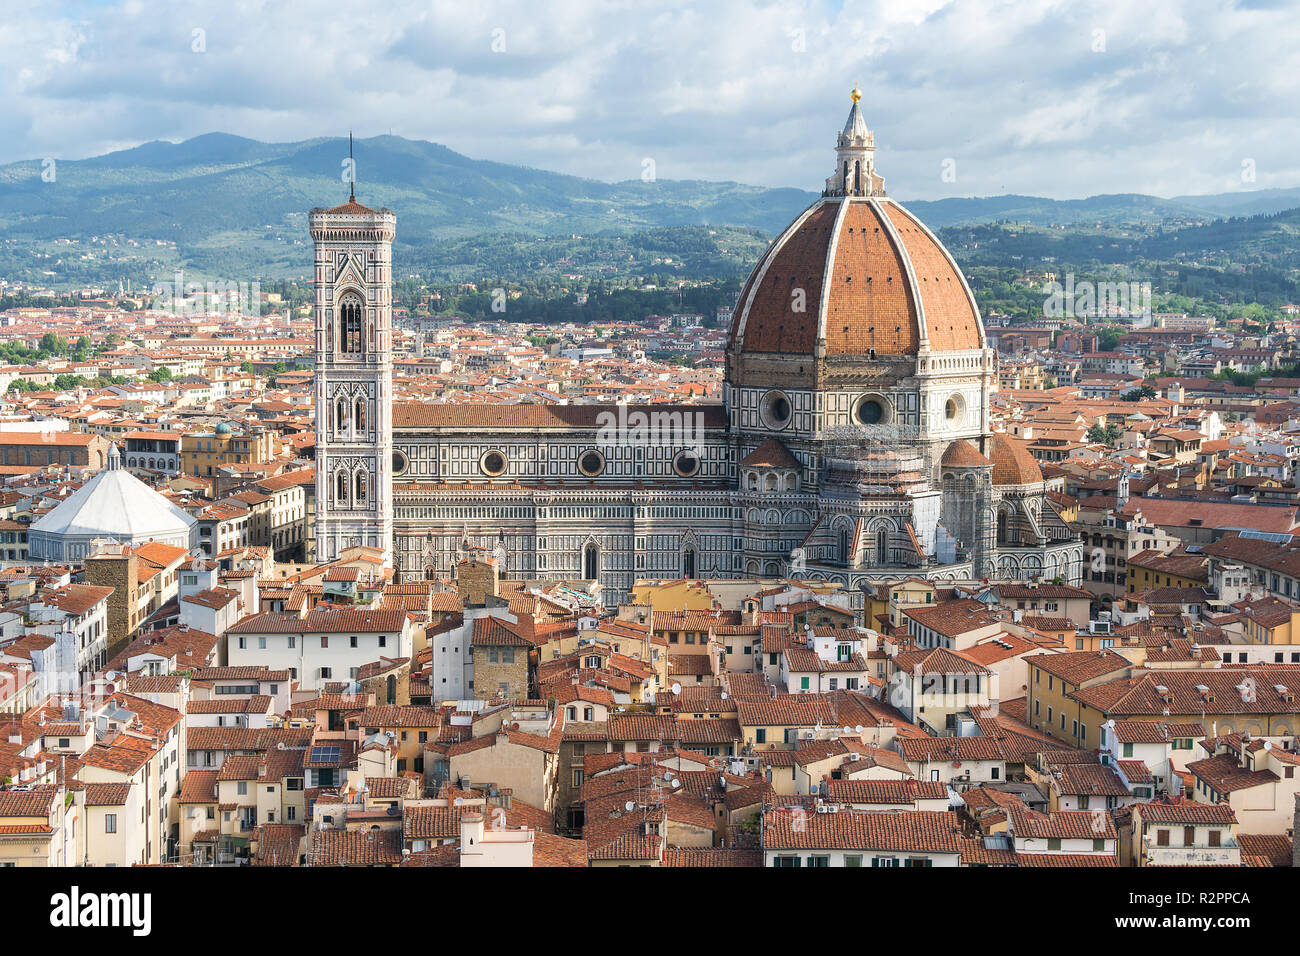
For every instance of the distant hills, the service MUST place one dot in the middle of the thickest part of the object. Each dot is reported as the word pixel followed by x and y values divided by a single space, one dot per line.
pixel 231 204
pixel 1109 210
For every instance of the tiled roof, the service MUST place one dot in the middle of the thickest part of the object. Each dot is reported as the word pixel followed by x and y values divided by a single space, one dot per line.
pixel 695 857
pixel 962 454
pixel 917 831
pixel 27 803
pixel 805 710
pixel 940 660
pixel 355 848
pixel 934 749
pixel 771 453
pixel 398 715
pixel 1061 825
pixel 325 621
pixel 1225 775
pixel 517 416
pixel 1012 462
pixel 1185 812
pixel 1076 667
pixel 886 791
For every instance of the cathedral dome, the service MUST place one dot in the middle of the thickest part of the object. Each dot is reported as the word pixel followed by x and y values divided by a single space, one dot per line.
pixel 855 274
pixel 1012 463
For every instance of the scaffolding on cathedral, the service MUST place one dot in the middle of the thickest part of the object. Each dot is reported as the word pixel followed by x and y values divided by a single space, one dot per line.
pixel 875 461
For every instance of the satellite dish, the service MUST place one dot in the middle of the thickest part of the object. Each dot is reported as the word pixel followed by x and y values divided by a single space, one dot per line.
pixel 676 783
pixel 458 801
pixel 846 729
pixel 676 689
pixel 630 806
pixel 858 729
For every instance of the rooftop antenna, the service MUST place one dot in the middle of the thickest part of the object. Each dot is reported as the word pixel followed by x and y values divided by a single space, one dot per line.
pixel 352 172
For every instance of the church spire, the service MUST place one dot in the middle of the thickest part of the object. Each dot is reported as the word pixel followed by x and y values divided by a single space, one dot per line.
pixel 855 164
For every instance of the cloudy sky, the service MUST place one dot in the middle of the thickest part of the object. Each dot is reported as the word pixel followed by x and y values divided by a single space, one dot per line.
pixel 1062 99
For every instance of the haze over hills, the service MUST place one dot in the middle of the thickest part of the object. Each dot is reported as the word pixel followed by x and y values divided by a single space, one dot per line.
pixel 228 205
pixel 219 181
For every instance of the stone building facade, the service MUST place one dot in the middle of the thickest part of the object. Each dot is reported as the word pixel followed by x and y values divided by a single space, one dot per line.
pixel 853 443
pixel 354 378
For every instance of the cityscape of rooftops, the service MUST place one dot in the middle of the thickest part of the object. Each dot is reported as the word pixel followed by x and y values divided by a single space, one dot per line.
pixel 821 435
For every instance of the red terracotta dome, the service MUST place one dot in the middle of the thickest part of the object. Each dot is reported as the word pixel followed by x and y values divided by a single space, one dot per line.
pixel 1012 463
pixel 869 276
pixel 962 454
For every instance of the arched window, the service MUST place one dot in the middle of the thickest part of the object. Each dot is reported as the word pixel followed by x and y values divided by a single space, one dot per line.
pixel 688 563
pixel 1002 527
pixel 341 415
pixel 362 480
pixel 843 545
pixel 350 325
pixel 341 488
pixel 857 176
pixel 591 562
pixel 882 546
pixel 361 414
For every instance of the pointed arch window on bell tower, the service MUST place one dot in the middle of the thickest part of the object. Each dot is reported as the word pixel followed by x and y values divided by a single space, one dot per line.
pixel 350 341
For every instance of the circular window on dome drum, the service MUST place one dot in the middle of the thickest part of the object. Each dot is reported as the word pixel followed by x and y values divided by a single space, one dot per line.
pixel 954 410
pixel 400 463
pixel 591 463
pixel 775 409
pixel 493 463
pixel 686 464
pixel 871 410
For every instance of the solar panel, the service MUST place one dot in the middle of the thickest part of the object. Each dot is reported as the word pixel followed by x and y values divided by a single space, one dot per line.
pixel 325 754
pixel 1276 537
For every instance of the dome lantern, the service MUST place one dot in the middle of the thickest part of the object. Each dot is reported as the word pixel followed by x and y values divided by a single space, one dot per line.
pixel 855 158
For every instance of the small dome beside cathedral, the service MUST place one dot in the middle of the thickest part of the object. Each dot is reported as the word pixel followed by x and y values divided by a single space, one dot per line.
pixel 1012 463
pixel 962 454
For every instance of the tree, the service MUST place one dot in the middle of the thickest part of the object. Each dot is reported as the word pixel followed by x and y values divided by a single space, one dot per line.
pixel 161 374
pixel 1105 434
pixel 53 344
pixel 1137 394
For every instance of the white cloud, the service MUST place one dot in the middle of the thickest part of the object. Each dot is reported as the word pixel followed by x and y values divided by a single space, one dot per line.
pixel 1015 91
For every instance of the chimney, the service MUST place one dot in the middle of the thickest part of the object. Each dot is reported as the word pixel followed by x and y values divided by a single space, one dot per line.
pixel 471 831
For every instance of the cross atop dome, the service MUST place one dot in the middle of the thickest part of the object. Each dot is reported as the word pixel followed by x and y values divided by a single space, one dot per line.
pixel 855 164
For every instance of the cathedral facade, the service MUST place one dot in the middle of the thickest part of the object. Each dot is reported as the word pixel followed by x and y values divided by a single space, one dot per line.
pixel 853 443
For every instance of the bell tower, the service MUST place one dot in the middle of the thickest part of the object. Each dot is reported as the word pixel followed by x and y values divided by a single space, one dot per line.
pixel 354 378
